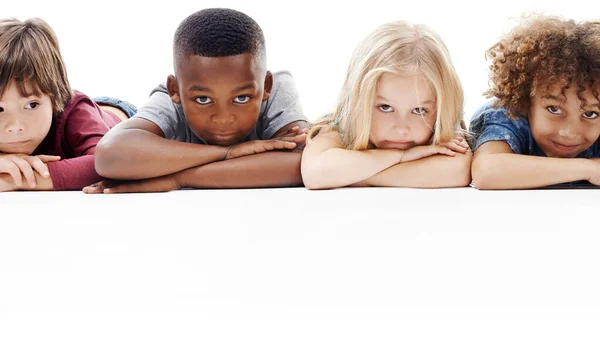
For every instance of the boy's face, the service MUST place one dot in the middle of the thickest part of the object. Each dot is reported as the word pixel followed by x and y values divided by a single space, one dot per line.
pixel 24 121
pixel 221 96
pixel 558 124
pixel 404 112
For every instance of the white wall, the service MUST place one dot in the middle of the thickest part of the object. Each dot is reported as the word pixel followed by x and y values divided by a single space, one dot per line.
pixel 124 49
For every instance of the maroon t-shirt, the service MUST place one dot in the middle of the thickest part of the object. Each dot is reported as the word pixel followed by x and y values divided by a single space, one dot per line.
pixel 73 137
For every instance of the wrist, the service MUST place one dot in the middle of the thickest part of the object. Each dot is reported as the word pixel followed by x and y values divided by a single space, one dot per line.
pixel 181 178
pixel 588 167
pixel 401 155
pixel 226 156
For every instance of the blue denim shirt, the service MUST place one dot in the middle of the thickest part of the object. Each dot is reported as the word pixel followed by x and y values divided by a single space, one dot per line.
pixel 492 124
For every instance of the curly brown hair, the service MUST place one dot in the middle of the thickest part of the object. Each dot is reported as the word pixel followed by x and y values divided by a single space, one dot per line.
pixel 540 52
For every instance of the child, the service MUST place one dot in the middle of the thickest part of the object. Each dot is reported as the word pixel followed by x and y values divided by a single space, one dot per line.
pixel 48 132
pixel 542 127
pixel 216 122
pixel 398 119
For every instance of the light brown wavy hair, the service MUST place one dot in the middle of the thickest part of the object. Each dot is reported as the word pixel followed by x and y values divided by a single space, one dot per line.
pixel 540 52
pixel 29 55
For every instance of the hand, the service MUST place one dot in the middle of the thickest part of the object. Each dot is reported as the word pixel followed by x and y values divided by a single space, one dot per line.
pixel 259 146
pixel 6 183
pixel 293 135
pixel 18 165
pixel 458 144
pixel 159 184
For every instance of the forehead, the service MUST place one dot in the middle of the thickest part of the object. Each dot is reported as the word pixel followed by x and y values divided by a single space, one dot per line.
pixel 215 71
pixel 12 91
pixel 410 88
pixel 557 91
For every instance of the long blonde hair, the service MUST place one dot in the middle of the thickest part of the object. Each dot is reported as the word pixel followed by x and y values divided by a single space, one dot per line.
pixel 398 48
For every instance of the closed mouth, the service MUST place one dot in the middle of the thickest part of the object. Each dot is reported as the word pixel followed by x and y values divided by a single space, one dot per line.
pixel 223 135
pixel 564 147
pixel 18 143
pixel 401 144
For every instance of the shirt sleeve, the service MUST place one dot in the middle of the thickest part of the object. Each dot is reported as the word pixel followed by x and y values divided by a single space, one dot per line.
pixel 492 124
pixel 283 106
pixel 160 110
pixel 83 130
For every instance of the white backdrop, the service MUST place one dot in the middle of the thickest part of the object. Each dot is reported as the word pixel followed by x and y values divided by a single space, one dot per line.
pixel 293 262
pixel 123 49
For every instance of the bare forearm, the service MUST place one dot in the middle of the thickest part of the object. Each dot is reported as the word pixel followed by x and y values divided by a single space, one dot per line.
pixel 339 167
pixel 514 171
pixel 42 184
pixel 432 172
pixel 271 169
pixel 138 154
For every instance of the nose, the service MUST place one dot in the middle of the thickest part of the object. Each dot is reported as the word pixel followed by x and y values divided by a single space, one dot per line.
pixel 568 129
pixel 13 126
pixel 401 126
pixel 223 116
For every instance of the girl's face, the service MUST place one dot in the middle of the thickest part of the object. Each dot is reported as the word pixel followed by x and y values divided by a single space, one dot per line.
pixel 24 121
pixel 560 126
pixel 404 112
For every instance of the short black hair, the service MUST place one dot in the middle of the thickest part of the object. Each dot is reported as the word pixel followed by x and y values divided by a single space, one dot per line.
pixel 217 32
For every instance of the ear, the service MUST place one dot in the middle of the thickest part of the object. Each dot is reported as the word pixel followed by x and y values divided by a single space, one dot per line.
pixel 173 89
pixel 268 85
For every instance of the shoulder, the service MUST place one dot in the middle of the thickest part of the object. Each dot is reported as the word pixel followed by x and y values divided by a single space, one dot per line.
pixel 80 107
pixel 490 123
pixel 283 82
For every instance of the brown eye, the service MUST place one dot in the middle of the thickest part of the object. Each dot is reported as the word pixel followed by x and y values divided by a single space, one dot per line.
pixel 590 115
pixel 553 110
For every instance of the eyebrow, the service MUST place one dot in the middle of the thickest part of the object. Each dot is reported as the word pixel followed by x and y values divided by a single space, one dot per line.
pixel 199 88
pixel 421 103
pixel 244 87
pixel 552 97
pixel 236 90
pixel 559 99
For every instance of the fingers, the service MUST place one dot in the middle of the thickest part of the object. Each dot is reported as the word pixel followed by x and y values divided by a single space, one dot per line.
pixel 457 146
pixel 38 165
pixel 97 188
pixel 45 158
pixel 445 150
pixel 300 138
pixel 26 169
pixel 15 173
pixel 282 145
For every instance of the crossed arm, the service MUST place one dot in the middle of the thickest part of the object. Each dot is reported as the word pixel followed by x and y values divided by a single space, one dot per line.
pixel 327 164
pixel 496 166
pixel 154 163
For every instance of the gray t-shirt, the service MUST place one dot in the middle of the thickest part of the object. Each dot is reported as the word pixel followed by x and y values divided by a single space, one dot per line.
pixel 281 108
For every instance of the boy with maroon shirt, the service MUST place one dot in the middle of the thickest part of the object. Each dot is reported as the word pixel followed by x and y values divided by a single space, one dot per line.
pixel 48 132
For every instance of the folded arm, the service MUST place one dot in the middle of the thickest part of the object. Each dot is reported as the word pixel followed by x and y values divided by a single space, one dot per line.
pixel 137 149
pixel 495 166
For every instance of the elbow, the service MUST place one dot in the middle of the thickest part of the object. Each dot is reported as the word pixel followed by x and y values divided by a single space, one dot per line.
pixel 483 175
pixel 104 158
pixel 457 174
pixel 463 175
pixel 311 181
pixel 312 176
